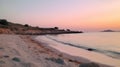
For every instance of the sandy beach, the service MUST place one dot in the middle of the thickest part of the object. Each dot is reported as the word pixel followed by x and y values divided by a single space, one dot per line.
pixel 80 55
pixel 22 51
pixel 60 33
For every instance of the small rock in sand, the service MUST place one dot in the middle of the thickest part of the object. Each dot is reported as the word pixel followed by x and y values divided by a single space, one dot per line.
pixel 6 56
pixel 16 59
pixel 89 65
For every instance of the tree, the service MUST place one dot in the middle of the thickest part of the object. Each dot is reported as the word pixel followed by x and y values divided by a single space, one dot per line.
pixel 56 28
pixel 3 22
pixel 68 29
pixel 26 25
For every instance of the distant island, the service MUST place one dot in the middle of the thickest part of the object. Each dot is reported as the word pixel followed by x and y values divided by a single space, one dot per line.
pixel 109 30
pixel 14 28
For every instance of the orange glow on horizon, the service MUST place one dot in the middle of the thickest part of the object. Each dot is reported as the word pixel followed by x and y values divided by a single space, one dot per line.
pixel 76 15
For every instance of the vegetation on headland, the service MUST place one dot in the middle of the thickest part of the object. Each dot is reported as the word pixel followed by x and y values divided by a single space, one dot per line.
pixel 14 28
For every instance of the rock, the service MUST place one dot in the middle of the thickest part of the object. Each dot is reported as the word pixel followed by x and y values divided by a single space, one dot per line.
pixel 2 62
pixel 5 31
pixel 89 65
pixel 58 60
pixel 90 49
pixel 6 56
pixel 16 59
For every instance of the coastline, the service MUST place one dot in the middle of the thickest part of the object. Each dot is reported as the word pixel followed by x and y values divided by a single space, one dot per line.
pixel 69 56
pixel 25 51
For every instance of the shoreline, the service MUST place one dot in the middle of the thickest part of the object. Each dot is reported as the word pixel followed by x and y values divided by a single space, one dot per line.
pixel 24 51
pixel 50 49
pixel 109 53
pixel 76 59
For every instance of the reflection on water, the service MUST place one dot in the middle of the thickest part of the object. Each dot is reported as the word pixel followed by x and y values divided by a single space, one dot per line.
pixel 103 42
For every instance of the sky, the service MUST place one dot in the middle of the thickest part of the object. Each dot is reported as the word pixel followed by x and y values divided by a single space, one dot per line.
pixel 85 15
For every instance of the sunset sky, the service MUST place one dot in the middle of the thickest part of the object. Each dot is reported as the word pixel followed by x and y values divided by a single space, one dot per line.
pixel 85 15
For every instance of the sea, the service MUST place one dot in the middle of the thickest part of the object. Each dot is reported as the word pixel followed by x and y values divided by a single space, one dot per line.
pixel 107 43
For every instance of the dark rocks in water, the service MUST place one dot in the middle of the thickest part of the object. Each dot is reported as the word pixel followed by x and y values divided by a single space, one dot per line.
pixel 89 65
pixel 90 49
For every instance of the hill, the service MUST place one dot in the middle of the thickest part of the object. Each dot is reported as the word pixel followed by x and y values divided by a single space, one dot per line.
pixel 14 28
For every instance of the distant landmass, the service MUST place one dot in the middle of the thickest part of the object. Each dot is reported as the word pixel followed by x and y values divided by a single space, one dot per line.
pixel 14 28
pixel 109 30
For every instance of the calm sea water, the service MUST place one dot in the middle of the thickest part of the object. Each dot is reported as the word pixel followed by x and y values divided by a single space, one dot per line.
pixel 107 43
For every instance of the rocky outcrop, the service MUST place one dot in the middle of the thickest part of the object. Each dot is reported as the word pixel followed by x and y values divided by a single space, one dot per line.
pixel 5 31
pixel 32 32
pixel 14 28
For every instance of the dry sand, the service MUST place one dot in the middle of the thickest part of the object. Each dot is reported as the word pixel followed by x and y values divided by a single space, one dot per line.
pixel 22 51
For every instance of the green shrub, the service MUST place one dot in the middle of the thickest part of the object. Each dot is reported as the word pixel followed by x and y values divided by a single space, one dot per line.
pixel 3 22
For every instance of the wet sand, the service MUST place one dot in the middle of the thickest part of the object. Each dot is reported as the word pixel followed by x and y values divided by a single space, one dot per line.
pixel 80 55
